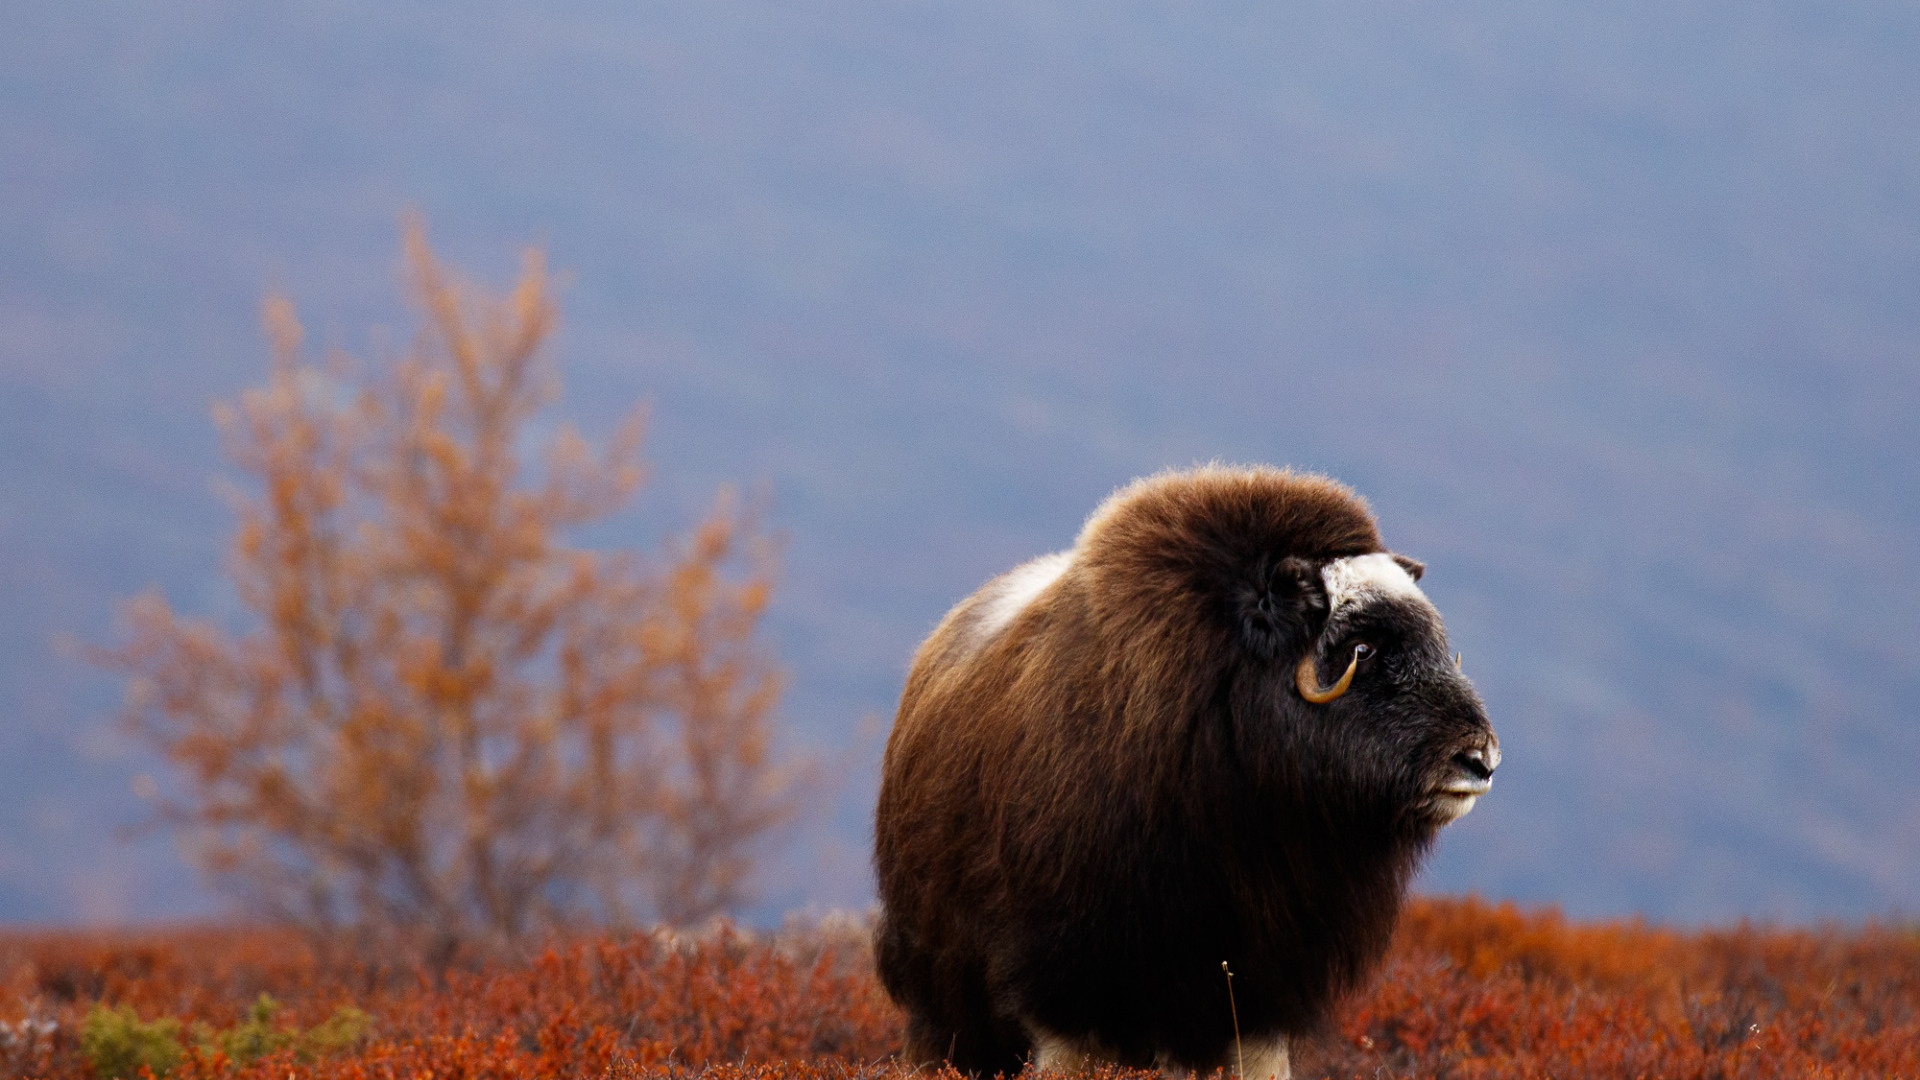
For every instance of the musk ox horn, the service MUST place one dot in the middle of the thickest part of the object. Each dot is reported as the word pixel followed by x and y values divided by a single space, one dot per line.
pixel 1308 680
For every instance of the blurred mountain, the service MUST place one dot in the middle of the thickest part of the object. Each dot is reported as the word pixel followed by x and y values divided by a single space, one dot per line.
pixel 1612 309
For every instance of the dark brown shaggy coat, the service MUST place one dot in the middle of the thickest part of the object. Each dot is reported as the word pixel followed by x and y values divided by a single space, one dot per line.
pixel 1084 811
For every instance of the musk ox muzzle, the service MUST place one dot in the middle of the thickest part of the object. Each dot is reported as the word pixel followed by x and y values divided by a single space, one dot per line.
pixel 1224 726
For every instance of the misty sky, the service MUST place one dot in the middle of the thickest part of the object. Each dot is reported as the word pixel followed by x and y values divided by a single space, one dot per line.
pixel 1611 309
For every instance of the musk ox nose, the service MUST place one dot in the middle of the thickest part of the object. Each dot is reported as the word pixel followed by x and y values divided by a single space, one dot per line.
pixel 1479 762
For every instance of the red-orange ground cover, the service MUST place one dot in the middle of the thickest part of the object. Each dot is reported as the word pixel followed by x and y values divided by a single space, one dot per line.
pixel 1470 990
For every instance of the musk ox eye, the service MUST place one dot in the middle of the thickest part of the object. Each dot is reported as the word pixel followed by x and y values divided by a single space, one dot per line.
pixel 1362 651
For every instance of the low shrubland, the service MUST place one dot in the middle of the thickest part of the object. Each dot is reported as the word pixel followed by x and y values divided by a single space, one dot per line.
pixel 1470 990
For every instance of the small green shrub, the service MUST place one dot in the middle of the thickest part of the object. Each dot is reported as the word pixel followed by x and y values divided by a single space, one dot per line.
pixel 116 1042
pixel 347 1028
pixel 253 1037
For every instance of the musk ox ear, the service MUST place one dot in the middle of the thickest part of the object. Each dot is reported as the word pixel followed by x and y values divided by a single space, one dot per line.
pixel 1281 608
pixel 1413 567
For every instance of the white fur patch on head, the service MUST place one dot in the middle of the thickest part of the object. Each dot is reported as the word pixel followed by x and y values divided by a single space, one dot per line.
pixel 1009 595
pixel 1365 577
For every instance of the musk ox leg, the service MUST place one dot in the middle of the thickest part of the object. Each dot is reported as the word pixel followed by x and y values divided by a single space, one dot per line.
pixel 1062 1054
pixel 1056 1053
pixel 980 1050
pixel 1267 1059
pixel 951 1018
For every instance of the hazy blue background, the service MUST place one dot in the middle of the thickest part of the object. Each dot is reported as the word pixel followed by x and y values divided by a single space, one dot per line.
pixel 1611 308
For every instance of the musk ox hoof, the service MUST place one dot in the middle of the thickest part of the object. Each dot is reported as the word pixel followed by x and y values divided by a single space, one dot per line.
pixel 1265 1060
pixel 1256 1059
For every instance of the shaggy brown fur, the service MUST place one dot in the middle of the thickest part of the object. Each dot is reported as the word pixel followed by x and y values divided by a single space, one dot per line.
pixel 1085 810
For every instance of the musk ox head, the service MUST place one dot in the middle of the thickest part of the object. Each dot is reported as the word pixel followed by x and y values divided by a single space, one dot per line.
pixel 1275 589
pixel 1399 712
pixel 1224 726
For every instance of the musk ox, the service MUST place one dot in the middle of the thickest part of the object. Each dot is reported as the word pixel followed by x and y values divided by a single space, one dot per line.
pixel 1222 728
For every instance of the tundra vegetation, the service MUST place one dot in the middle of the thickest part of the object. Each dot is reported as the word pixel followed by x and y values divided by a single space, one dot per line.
pixel 1468 989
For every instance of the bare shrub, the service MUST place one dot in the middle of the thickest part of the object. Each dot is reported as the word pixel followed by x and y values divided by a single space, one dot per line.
pixel 441 723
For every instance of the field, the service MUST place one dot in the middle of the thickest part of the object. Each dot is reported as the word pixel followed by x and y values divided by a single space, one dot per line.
pixel 1470 990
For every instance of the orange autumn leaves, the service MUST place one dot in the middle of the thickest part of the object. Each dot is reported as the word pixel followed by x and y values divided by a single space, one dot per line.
pixel 1469 990
pixel 1473 990
pixel 440 722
